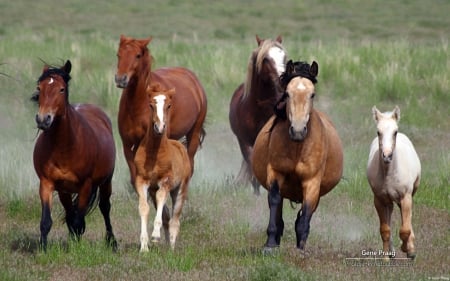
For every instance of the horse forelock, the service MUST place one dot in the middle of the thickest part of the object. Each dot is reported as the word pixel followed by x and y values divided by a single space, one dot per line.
pixel 301 69
pixel 256 61
pixel 52 71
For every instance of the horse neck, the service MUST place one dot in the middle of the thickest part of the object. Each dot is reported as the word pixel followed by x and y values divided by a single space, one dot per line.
pixel 155 143
pixel 137 87
pixel 63 131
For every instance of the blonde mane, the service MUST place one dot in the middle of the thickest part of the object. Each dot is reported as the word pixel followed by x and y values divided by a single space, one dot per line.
pixel 255 63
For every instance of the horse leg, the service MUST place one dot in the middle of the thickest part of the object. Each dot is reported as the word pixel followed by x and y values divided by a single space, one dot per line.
pixel 142 191
pixel 83 200
pixel 276 224
pixel 66 201
pixel 178 197
pixel 384 214
pixel 194 139
pixel 245 173
pixel 46 194
pixel 406 231
pixel 161 199
pixel 129 157
pixel 105 208
pixel 310 202
pixel 165 215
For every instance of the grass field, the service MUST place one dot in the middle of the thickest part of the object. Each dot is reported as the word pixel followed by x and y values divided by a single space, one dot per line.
pixel 369 53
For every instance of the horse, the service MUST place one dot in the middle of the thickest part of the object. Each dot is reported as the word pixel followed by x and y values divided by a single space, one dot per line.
pixel 393 172
pixel 134 75
pixel 163 167
pixel 74 155
pixel 252 101
pixel 297 155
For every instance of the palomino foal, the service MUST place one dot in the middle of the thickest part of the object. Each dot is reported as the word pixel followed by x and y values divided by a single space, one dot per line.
pixel 393 171
pixel 163 167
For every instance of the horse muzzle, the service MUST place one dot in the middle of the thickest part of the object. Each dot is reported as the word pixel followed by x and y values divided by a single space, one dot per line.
pixel 298 135
pixel 121 81
pixel 44 121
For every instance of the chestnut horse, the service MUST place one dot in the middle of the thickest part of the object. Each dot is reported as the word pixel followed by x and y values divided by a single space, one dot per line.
pixel 393 172
pixel 74 155
pixel 163 167
pixel 134 75
pixel 252 102
pixel 297 155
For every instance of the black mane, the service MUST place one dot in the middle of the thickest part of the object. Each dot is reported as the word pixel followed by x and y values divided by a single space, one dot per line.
pixel 298 68
pixel 51 71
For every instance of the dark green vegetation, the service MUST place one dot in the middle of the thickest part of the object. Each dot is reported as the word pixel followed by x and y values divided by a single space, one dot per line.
pixel 372 53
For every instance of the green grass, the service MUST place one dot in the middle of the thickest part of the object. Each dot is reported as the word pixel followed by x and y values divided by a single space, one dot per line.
pixel 369 53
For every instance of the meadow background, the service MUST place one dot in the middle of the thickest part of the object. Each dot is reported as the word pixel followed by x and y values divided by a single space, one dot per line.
pixel 382 53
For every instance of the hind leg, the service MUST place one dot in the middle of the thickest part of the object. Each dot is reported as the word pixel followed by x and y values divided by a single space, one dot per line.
pixel 178 197
pixel 245 173
pixel 406 231
pixel 384 211
pixel 105 208
pixel 194 139
pixel 66 201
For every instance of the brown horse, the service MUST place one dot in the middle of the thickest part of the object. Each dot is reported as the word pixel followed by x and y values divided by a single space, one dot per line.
pixel 134 75
pixel 252 102
pixel 298 156
pixel 74 155
pixel 163 167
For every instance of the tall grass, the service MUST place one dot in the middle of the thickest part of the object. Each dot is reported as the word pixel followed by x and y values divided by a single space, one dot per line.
pixel 385 55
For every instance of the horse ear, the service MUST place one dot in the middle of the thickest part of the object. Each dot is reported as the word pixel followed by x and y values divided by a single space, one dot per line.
pixel 279 39
pixel 67 67
pixel 375 113
pixel 290 67
pixel 259 40
pixel 396 113
pixel 146 41
pixel 314 70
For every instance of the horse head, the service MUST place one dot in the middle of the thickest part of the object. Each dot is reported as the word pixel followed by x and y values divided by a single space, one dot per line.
pixel 387 129
pixel 294 69
pixel 133 56
pixel 52 94
pixel 296 105
pixel 160 101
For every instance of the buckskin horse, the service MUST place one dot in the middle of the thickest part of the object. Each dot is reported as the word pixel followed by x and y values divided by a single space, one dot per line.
pixel 297 155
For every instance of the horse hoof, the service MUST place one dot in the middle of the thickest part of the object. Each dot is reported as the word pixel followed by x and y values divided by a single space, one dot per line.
pixel 270 251
pixel 411 256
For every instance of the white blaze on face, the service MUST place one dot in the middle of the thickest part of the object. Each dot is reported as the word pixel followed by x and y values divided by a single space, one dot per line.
pixel 278 56
pixel 51 81
pixel 160 100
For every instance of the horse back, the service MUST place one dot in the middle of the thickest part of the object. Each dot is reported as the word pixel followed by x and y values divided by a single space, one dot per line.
pixel 189 102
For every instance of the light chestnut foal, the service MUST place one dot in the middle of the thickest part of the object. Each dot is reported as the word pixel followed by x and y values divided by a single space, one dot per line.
pixel 163 167
pixel 393 171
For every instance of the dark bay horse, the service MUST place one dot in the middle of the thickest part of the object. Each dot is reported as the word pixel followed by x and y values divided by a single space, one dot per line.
pixel 297 155
pixel 134 75
pixel 163 168
pixel 74 155
pixel 252 102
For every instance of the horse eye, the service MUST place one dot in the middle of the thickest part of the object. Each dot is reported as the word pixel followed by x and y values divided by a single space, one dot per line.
pixel 138 56
pixel 378 133
pixel 313 95
pixel 62 90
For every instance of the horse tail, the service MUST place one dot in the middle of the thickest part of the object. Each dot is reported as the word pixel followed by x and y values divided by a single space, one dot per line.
pixel 92 203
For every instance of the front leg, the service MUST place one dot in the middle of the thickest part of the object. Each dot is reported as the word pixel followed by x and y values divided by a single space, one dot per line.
pixel 144 209
pixel 161 198
pixel 46 189
pixel 311 192
pixel 276 225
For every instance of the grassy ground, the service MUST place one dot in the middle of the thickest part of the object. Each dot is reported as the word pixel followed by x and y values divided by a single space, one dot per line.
pixel 370 53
